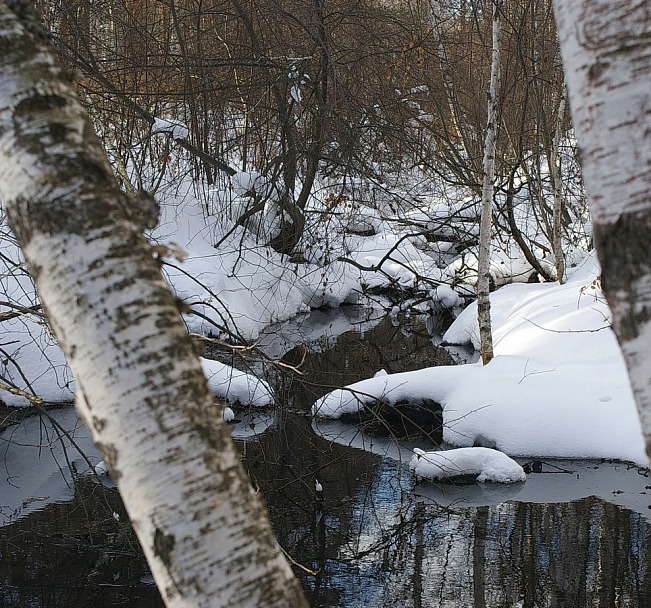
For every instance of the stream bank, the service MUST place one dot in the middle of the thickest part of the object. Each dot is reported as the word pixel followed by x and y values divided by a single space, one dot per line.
pixel 574 534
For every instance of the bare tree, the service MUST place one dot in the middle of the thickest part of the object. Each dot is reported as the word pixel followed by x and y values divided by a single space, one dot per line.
pixel 606 49
pixel 530 88
pixel 557 189
pixel 140 387
pixel 457 119
pixel 490 145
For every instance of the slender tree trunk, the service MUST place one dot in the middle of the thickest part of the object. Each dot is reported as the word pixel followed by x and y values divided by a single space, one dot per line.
pixel 456 113
pixel 483 278
pixel 140 386
pixel 606 49
pixel 321 86
pixel 292 219
pixel 557 188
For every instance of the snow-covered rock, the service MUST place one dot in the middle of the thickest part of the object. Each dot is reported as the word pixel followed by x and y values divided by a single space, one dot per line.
pixel 487 464
pixel 447 296
pixel 101 468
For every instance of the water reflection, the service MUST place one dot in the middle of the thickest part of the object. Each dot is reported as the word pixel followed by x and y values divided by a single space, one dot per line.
pixel 77 553
pixel 334 361
pixel 380 546
pixel 373 537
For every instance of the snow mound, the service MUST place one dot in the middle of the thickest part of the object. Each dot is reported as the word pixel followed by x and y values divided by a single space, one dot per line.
pixel 487 464
pixel 447 296
pixel 236 386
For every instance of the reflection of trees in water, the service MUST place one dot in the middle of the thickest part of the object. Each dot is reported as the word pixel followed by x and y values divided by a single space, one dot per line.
pixel 374 544
pixel 285 465
pixel 75 553
pixel 584 553
pixel 480 534
pixel 355 356
pixel 383 548
pixel 572 554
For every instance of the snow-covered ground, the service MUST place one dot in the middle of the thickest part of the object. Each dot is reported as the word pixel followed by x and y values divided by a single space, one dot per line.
pixel 236 285
pixel 556 388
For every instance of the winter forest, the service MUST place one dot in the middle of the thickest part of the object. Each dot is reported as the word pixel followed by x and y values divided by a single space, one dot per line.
pixel 327 303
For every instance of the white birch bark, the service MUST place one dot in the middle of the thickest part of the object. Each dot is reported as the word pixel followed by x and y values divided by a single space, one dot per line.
pixel 140 385
pixel 557 189
pixel 606 49
pixel 483 278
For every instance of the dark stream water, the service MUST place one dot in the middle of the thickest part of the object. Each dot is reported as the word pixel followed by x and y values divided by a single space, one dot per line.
pixel 575 535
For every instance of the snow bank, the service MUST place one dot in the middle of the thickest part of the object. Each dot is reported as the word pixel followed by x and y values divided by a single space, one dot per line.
pixel 557 387
pixel 173 128
pixel 433 383
pixel 239 288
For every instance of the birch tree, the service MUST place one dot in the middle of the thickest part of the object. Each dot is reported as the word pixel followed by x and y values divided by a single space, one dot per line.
pixel 490 145
pixel 606 49
pixel 140 386
pixel 557 189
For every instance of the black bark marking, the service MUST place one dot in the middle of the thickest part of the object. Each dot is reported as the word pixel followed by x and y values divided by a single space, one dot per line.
pixel 28 18
pixel 625 253
pixel 40 103
pixel 99 423
pixel 163 546
pixel 597 69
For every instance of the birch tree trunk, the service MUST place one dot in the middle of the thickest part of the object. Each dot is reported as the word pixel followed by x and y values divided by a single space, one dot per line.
pixel 557 189
pixel 606 49
pixel 483 278
pixel 140 386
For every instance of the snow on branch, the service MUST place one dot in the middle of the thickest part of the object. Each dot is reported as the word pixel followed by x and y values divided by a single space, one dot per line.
pixel 173 128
